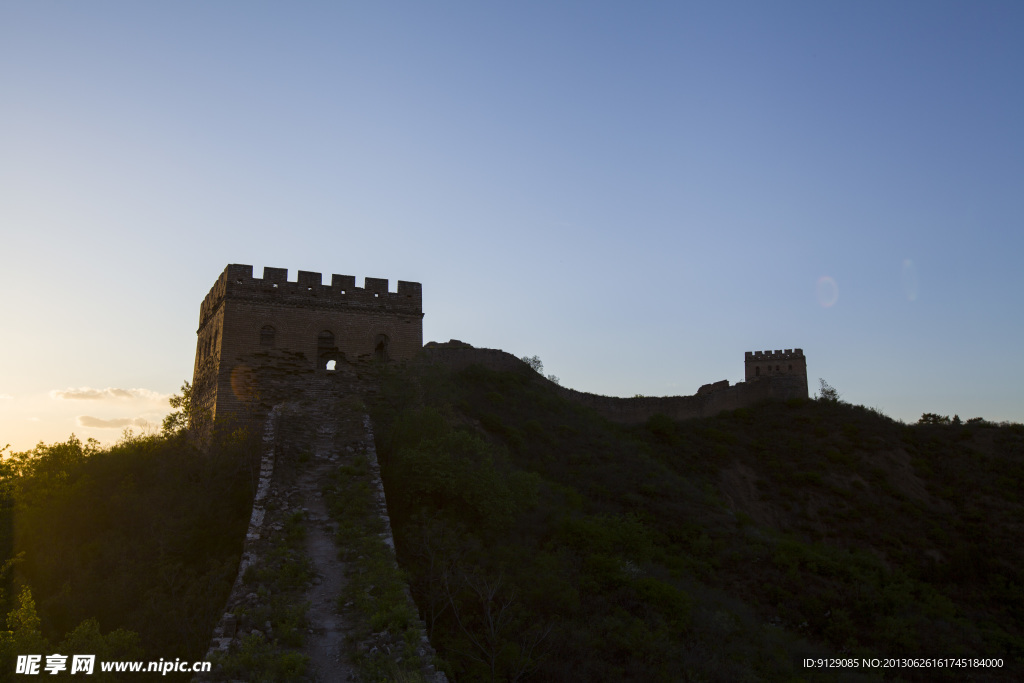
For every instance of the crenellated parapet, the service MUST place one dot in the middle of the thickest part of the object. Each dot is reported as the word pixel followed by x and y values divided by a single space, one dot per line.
pixel 785 354
pixel 309 291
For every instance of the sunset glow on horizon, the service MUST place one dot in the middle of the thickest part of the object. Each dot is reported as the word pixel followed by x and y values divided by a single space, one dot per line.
pixel 638 195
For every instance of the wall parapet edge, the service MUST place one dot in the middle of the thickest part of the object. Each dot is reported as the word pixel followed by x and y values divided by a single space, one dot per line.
pixel 779 354
pixel 236 281
pixel 709 400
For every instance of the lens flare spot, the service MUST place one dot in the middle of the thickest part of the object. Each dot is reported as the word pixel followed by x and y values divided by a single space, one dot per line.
pixel 828 291
pixel 908 277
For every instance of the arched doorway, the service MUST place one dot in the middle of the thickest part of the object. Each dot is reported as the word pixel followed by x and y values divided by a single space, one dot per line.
pixel 326 351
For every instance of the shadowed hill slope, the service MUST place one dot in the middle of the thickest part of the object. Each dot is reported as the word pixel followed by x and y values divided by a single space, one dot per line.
pixel 544 542
pixel 708 401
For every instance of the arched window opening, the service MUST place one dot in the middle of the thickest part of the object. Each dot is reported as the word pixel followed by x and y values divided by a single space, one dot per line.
pixel 791 368
pixel 331 366
pixel 325 340
pixel 757 371
pixel 267 335
pixel 380 348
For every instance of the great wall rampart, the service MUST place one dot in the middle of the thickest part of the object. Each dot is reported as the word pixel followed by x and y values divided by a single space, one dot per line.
pixel 293 359
pixel 709 400
pixel 316 425
pixel 298 360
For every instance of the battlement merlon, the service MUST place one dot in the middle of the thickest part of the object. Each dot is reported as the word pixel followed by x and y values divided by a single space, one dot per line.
pixel 779 354
pixel 237 282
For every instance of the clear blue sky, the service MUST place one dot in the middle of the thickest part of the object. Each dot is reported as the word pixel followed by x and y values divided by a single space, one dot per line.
pixel 636 192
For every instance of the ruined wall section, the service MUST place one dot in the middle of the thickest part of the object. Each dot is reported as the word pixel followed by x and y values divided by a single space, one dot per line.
pixel 709 400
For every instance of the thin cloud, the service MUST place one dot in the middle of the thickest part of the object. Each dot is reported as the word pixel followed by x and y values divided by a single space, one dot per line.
pixel 116 423
pixel 6 397
pixel 89 394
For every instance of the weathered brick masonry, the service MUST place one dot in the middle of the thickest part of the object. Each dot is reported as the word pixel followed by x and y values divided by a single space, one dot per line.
pixel 320 326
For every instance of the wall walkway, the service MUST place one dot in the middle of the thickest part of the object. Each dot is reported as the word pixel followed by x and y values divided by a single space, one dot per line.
pixel 305 441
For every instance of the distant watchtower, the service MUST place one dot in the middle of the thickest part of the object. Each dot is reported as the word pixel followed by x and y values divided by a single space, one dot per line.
pixel 777 364
pixel 244 321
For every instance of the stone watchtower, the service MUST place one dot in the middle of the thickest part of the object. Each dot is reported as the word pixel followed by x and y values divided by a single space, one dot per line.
pixel 247 322
pixel 788 364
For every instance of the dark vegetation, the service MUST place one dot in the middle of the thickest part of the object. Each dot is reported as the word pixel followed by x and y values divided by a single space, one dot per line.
pixel 374 599
pixel 126 552
pixel 545 543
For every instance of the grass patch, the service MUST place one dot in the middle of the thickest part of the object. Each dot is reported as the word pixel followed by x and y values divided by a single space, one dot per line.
pixel 385 630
